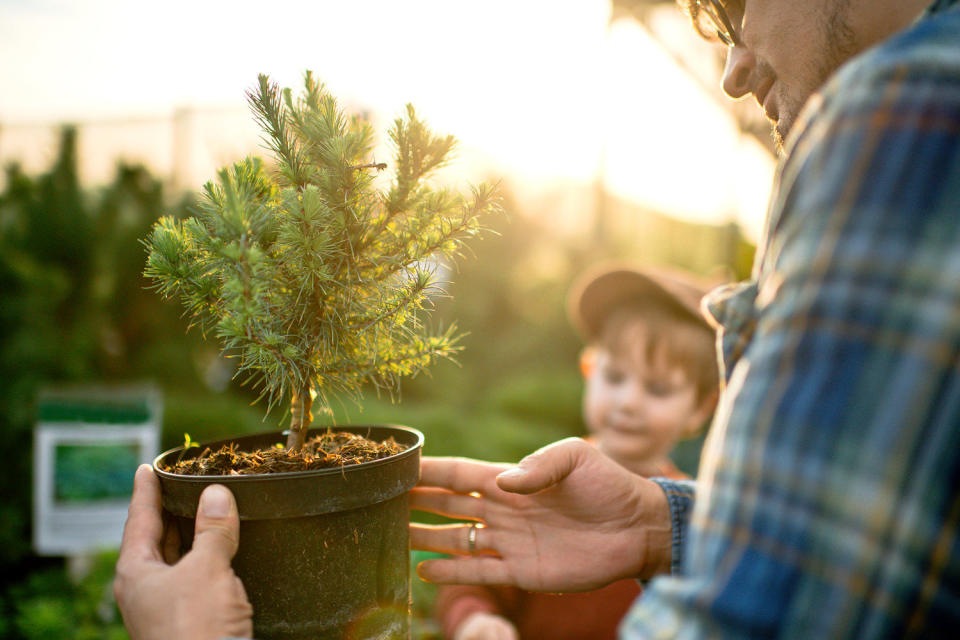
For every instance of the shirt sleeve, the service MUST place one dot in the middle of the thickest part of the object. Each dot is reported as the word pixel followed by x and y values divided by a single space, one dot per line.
pixel 680 495
pixel 828 499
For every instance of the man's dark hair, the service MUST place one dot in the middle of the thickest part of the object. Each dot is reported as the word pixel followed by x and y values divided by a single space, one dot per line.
pixel 702 24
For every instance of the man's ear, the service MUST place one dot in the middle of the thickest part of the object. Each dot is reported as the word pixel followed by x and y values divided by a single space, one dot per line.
pixel 588 361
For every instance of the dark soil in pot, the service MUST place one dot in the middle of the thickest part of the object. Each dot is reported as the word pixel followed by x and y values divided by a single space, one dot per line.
pixel 323 553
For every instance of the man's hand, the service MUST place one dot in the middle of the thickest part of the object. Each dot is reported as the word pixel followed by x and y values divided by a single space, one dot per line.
pixel 486 626
pixel 196 597
pixel 567 518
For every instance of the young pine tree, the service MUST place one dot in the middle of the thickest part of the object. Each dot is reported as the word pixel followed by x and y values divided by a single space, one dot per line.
pixel 309 274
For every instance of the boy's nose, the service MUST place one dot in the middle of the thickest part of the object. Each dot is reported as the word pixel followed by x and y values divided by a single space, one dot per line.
pixel 738 72
pixel 631 400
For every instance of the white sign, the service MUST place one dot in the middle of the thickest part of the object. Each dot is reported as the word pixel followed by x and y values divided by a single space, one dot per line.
pixel 87 445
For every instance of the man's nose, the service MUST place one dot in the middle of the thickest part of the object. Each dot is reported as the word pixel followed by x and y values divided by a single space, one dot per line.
pixel 738 72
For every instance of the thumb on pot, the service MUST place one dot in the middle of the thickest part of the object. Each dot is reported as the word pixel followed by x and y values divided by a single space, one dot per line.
pixel 217 531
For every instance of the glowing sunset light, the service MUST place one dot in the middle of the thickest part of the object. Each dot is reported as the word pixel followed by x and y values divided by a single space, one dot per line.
pixel 539 92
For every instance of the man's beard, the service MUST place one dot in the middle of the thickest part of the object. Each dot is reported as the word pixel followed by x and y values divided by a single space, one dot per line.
pixel 789 110
pixel 839 46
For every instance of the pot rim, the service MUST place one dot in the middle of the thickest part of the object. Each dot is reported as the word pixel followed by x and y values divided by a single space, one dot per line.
pixel 285 475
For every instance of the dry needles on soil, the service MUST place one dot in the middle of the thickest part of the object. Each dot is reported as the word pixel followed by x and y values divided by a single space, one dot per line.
pixel 329 450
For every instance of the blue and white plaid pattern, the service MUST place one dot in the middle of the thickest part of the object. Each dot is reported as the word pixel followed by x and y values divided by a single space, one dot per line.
pixel 828 501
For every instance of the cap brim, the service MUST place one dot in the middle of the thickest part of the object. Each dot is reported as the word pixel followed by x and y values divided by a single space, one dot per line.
pixel 603 289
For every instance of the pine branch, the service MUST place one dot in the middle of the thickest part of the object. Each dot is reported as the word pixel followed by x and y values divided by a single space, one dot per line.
pixel 272 118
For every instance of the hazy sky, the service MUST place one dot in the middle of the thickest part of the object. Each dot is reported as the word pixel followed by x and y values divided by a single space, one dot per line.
pixel 539 88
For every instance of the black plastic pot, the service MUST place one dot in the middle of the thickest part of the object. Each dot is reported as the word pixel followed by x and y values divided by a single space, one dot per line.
pixel 323 554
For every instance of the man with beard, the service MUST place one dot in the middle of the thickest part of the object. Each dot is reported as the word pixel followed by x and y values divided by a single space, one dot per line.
pixel 828 500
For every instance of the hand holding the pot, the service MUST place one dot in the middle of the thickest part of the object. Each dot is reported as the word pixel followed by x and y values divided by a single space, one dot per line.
pixel 196 597
pixel 567 518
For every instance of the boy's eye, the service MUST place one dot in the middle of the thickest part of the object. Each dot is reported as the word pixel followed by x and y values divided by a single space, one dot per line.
pixel 657 388
pixel 613 376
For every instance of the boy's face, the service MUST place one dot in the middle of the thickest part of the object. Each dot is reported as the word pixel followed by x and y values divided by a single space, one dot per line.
pixel 637 409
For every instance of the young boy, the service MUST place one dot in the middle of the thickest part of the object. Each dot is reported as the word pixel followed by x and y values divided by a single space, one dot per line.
pixel 650 379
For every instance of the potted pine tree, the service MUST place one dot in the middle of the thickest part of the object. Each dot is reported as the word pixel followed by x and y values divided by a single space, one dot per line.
pixel 316 278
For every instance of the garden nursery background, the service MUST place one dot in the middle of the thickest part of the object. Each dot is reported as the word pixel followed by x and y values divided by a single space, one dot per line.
pixel 80 190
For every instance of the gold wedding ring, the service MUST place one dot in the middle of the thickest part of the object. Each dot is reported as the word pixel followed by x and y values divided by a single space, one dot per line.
pixel 472 538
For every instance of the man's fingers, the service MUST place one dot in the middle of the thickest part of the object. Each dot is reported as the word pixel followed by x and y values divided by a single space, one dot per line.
pixel 545 467
pixel 461 475
pixel 481 570
pixel 143 531
pixel 217 531
pixel 447 503
pixel 450 538
pixel 171 540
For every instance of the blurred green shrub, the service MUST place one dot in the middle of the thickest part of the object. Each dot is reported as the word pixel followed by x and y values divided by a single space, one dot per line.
pixel 47 605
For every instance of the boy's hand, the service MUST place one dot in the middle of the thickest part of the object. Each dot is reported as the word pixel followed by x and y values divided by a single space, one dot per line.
pixel 567 518
pixel 486 626
pixel 197 598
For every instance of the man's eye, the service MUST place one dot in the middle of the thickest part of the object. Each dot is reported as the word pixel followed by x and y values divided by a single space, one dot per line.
pixel 733 6
pixel 735 9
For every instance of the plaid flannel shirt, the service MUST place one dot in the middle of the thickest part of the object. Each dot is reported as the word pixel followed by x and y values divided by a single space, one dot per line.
pixel 828 500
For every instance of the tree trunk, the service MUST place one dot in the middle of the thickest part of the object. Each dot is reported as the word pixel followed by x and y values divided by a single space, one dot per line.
pixel 300 417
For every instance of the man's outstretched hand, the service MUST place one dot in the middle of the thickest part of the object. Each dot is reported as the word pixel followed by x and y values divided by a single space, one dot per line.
pixel 196 597
pixel 567 518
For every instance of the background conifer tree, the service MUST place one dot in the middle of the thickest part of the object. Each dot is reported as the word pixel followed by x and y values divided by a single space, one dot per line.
pixel 312 276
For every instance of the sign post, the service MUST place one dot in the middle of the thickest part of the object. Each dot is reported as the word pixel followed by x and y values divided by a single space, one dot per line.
pixel 88 442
